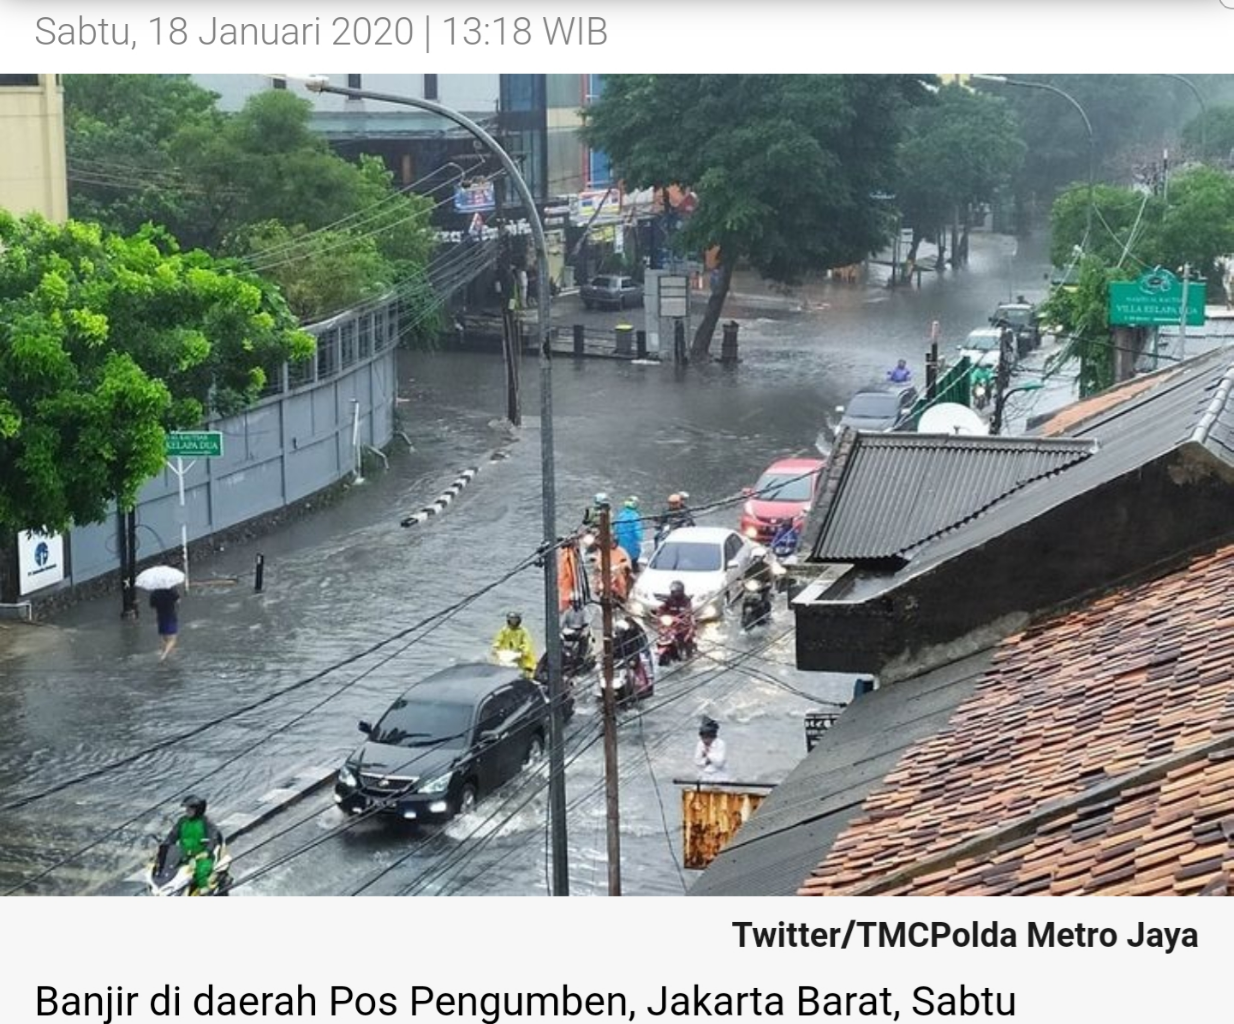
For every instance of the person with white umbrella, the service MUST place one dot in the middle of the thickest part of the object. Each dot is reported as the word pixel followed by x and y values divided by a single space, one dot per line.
pixel 161 581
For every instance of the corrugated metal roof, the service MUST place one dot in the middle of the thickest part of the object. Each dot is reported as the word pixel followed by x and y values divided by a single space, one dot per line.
pixel 897 491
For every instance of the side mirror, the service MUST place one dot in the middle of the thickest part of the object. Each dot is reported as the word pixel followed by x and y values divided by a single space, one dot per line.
pixel 839 408
pixel 747 491
pixel 366 727
pixel 487 738
pixel 734 564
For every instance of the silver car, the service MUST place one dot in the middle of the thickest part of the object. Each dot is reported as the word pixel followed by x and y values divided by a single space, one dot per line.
pixel 612 290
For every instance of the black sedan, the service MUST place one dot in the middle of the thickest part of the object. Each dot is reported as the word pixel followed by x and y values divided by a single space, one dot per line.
pixel 449 740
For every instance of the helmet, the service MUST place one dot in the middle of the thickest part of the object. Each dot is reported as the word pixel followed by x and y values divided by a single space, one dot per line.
pixel 601 498
pixel 759 553
pixel 195 805
pixel 514 620
pixel 709 727
pixel 677 588
pixel 576 603
pixel 674 500
pixel 632 501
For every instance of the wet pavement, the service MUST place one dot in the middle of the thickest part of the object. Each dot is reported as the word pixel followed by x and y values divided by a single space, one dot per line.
pixel 87 690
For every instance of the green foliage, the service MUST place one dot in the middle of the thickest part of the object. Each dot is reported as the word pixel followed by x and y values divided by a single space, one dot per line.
pixel 1195 226
pixel 250 184
pixel 1218 132
pixel 1082 315
pixel 783 165
pixel 957 151
pixel 107 341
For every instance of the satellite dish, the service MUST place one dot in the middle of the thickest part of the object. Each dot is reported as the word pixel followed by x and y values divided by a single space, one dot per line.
pixel 952 418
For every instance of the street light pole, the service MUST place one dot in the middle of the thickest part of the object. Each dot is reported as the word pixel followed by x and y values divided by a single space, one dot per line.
pixel 552 621
pixel 1199 98
pixel 1088 127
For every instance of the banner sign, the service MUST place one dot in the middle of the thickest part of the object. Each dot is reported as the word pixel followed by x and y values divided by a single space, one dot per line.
pixel 477 198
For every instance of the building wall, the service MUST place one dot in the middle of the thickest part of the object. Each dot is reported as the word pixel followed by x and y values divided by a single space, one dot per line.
pixel 294 442
pixel 468 93
pixel 32 161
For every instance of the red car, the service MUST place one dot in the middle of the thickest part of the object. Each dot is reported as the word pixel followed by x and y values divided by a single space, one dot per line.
pixel 785 489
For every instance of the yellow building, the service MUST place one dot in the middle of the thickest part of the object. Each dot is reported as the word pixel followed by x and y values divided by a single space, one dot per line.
pixel 32 164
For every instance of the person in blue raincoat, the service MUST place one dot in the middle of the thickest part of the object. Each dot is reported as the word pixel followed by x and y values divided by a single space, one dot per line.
pixel 628 529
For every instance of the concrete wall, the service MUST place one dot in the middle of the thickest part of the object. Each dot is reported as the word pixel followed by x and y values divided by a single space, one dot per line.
pixel 294 442
pixel 32 161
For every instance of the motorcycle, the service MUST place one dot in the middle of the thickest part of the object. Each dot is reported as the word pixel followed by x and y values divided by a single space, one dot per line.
pixel 170 875
pixel 756 602
pixel 676 639
pixel 633 668
pixel 981 394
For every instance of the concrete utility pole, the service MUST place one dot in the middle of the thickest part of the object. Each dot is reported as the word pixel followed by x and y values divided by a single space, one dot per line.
pixel 932 362
pixel 1006 353
pixel 611 806
pixel 1182 316
pixel 552 614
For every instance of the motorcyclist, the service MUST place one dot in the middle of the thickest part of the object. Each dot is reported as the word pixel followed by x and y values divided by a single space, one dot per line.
pixel 711 755
pixel 198 841
pixel 630 642
pixel 621 570
pixel 628 529
pixel 513 637
pixel 676 516
pixel 900 373
pixel 982 377
pixel 591 515
pixel 786 538
pixel 760 568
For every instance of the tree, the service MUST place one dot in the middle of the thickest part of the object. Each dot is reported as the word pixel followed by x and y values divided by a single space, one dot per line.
pixel 1194 224
pixel 258 183
pixel 783 165
pixel 106 342
pixel 1217 131
pixel 957 152
pixel 1082 315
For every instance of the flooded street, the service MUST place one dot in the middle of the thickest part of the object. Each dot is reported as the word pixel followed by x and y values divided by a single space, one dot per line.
pixel 86 690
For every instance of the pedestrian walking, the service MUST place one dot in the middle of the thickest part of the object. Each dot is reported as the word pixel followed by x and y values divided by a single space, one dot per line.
pixel 165 602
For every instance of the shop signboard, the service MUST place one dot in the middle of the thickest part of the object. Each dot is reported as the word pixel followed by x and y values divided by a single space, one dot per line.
pixel 40 560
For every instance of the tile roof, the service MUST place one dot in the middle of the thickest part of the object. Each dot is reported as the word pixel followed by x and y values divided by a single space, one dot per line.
pixel 1173 836
pixel 1083 700
pixel 895 492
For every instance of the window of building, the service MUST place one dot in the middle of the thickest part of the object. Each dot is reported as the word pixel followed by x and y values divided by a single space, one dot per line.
pixel 18 81
pixel 430 87
pixel 353 82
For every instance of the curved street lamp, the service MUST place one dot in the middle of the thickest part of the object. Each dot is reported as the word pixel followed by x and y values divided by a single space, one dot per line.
pixel 552 623
pixel 1088 127
pixel 1199 98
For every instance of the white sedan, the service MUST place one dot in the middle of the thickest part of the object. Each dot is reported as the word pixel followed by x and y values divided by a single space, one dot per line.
pixel 709 560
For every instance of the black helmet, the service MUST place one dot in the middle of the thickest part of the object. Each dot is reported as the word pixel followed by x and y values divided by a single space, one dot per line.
pixel 709 727
pixel 514 620
pixel 195 805
pixel 677 588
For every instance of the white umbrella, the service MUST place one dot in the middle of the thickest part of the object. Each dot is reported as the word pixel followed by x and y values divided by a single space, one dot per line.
pixel 159 577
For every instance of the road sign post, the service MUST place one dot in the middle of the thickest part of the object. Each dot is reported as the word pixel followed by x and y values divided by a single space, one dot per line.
pixel 205 444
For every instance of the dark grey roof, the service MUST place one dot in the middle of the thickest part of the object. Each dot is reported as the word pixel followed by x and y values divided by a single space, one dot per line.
pixel 1188 403
pixel 790 834
pixel 895 492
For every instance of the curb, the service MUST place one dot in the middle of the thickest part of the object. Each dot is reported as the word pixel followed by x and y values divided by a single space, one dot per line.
pixel 446 498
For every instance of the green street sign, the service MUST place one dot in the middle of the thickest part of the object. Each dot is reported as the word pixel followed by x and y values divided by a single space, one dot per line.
pixel 195 444
pixel 1156 300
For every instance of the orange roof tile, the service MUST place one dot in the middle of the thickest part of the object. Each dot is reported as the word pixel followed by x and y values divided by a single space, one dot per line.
pixel 1140 675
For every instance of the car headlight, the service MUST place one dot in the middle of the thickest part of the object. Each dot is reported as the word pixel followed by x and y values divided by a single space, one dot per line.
pixel 636 607
pixel 346 776
pixel 753 586
pixel 752 532
pixel 708 611
pixel 437 785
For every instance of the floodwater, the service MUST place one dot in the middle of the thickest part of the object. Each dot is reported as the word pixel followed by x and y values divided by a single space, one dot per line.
pixel 87 690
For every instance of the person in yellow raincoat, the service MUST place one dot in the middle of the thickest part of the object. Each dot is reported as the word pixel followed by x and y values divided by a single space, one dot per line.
pixel 513 637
